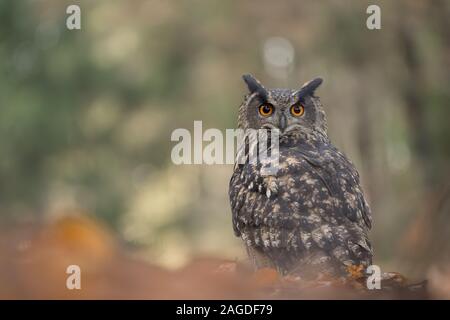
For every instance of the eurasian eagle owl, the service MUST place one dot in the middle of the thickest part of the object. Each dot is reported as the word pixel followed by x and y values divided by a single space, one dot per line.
pixel 311 216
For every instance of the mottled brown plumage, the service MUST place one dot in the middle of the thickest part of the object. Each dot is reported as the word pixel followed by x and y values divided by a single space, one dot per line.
pixel 311 216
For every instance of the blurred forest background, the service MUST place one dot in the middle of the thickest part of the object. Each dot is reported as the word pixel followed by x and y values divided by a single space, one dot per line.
pixel 86 115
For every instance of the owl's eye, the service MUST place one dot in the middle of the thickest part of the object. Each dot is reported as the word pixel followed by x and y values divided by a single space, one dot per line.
pixel 297 110
pixel 265 110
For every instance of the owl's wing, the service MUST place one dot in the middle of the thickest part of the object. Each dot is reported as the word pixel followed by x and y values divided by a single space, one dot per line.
pixel 236 195
pixel 246 179
pixel 341 178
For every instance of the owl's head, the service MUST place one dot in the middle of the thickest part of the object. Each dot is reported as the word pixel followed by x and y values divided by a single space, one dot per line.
pixel 284 109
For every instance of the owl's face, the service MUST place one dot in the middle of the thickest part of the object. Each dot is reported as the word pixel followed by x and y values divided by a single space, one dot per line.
pixel 284 109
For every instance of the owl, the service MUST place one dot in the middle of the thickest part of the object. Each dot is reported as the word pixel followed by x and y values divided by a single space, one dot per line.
pixel 310 217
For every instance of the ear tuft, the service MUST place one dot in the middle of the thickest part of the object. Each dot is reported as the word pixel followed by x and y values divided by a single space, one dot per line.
pixel 309 87
pixel 254 85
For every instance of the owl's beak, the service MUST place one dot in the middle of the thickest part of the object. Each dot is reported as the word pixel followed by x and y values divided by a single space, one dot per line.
pixel 283 122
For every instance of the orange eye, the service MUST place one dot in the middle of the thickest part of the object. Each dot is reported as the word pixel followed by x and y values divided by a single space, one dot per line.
pixel 265 110
pixel 297 110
